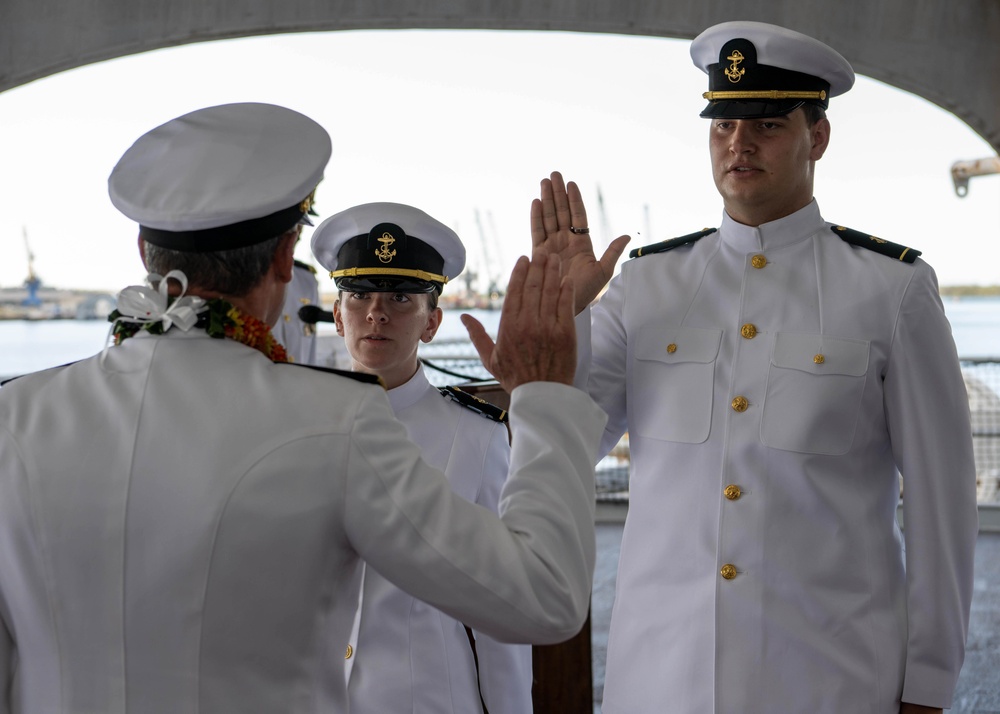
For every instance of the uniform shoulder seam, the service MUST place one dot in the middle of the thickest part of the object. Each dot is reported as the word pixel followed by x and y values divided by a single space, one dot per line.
pixel 356 376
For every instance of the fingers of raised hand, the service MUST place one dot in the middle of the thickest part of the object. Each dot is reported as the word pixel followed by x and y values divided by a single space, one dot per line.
pixel 576 208
pixel 561 200
pixel 550 221
pixel 538 232
pixel 480 340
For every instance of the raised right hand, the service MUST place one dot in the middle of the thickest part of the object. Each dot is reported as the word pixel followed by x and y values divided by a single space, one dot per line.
pixel 536 341
pixel 553 218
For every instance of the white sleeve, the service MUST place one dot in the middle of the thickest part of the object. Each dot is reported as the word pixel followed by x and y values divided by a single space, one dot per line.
pixel 927 410
pixel 505 670
pixel 525 578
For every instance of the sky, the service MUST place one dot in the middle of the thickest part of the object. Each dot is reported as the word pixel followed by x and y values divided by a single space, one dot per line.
pixel 464 124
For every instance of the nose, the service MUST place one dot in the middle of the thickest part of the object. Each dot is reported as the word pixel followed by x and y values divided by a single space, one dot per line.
pixel 741 138
pixel 376 310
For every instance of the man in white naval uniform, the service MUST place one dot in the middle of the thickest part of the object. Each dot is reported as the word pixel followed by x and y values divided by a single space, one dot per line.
pixel 390 263
pixel 183 517
pixel 773 374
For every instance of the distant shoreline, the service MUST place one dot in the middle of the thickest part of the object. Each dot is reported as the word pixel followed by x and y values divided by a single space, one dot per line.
pixel 970 290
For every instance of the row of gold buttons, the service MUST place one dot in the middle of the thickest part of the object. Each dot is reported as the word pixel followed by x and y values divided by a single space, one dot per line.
pixel 741 404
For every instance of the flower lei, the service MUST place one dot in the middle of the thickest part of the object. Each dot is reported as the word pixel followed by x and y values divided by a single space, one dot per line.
pixel 153 310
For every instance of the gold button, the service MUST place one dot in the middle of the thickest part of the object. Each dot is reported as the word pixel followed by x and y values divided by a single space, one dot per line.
pixel 287 317
pixel 350 651
pixel 728 571
pixel 819 359
pixel 732 492
pixel 758 261
pixel 749 331
pixel 740 404
pixel 671 348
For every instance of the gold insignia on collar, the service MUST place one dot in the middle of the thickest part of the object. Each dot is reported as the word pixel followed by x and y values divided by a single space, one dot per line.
pixel 733 71
pixel 877 240
pixel 385 254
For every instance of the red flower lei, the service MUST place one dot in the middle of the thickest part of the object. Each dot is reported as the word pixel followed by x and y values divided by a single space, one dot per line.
pixel 221 319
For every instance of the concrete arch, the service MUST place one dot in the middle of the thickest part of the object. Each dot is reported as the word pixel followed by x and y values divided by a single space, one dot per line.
pixel 944 51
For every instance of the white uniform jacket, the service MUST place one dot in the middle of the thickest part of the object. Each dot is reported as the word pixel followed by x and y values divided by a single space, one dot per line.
pixel 182 527
pixel 298 337
pixel 772 380
pixel 408 656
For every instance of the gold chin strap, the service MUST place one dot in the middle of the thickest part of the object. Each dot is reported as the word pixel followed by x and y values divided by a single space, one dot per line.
pixel 764 94
pixel 403 272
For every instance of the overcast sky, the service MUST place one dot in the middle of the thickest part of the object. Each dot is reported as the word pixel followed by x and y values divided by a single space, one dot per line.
pixel 465 123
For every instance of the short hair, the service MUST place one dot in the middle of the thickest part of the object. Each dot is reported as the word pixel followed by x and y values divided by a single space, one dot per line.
pixel 814 113
pixel 231 272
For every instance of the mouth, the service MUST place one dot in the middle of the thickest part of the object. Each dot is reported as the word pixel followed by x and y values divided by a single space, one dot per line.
pixel 375 338
pixel 742 169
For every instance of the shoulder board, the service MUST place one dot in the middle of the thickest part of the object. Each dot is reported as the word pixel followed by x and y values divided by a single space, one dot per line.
pixel 356 376
pixel 665 245
pixel 879 245
pixel 305 266
pixel 470 401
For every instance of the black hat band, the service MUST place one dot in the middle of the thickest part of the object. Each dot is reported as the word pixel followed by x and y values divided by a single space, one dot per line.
pixel 229 237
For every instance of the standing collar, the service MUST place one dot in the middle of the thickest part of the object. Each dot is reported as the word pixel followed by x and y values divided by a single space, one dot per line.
pixel 777 234
pixel 410 392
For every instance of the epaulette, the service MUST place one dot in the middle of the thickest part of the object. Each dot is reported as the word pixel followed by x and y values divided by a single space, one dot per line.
pixel 879 245
pixel 305 266
pixel 665 245
pixel 357 376
pixel 471 401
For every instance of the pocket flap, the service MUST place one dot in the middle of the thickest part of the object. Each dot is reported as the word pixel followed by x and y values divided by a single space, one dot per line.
pixel 673 344
pixel 820 354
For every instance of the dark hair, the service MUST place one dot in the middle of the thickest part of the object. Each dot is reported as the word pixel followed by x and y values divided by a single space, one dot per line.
pixel 230 272
pixel 814 113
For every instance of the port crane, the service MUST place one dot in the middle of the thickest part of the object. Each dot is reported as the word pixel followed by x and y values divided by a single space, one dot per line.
pixel 962 171
pixel 32 283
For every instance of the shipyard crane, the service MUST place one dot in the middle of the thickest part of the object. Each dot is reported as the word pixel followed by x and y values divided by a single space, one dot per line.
pixel 962 171
pixel 32 283
pixel 491 257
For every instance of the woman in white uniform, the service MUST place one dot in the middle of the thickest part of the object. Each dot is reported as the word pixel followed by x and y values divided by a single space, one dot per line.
pixel 390 262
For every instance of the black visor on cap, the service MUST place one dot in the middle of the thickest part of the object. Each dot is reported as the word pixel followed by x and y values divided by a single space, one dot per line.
pixel 740 88
pixel 387 260
pixel 386 285
pixel 750 110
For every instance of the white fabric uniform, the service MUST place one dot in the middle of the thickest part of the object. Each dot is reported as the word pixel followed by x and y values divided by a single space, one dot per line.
pixel 408 656
pixel 825 613
pixel 298 338
pixel 182 527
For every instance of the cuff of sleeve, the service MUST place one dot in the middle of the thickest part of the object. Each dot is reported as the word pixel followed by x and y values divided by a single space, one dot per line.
pixel 928 687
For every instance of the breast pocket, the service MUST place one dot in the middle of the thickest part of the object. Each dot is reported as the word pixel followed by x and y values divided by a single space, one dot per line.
pixel 672 379
pixel 814 389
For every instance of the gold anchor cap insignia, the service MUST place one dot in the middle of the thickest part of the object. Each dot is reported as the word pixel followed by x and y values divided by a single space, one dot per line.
pixel 386 253
pixel 733 71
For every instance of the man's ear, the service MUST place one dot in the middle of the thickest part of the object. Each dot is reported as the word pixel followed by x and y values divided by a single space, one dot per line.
pixel 820 139
pixel 284 256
